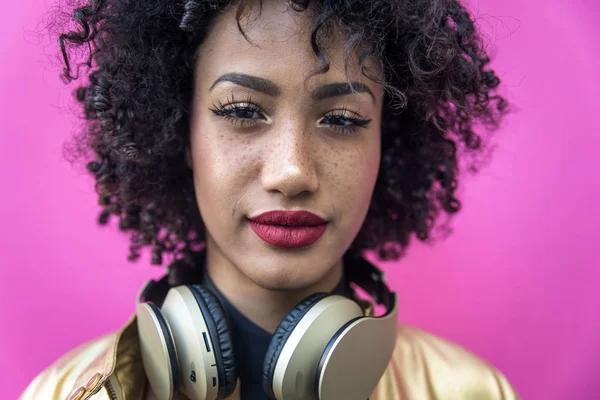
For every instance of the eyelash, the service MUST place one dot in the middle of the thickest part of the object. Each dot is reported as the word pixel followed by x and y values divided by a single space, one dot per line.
pixel 228 111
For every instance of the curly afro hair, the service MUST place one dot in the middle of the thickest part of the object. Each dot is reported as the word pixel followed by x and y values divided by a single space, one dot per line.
pixel 140 56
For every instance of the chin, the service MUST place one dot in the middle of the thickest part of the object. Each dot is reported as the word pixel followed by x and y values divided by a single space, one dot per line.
pixel 282 281
pixel 275 286
pixel 289 278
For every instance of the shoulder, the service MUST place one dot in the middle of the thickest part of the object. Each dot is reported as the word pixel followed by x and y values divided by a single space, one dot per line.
pixel 57 381
pixel 425 366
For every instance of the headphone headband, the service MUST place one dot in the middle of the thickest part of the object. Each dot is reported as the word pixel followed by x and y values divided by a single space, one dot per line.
pixel 369 278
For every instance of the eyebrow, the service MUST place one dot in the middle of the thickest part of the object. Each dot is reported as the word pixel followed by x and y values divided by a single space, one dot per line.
pixel 270 88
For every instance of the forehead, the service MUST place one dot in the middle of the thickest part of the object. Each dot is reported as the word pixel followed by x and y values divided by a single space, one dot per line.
pixel 279 42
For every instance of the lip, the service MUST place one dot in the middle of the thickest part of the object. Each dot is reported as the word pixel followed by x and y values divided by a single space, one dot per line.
pixel 288 229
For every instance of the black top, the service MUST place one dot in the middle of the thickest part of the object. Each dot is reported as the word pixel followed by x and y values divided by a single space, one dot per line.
pixel 250 343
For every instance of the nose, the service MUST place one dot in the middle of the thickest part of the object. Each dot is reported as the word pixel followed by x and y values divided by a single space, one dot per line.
pixel 290 165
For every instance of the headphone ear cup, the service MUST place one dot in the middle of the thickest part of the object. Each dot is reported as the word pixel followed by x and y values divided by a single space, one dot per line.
pixel 280 336
pixel 211 306
pixel 361 342
pixel 157 347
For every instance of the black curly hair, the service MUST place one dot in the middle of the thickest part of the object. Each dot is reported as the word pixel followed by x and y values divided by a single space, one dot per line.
pixel 140 57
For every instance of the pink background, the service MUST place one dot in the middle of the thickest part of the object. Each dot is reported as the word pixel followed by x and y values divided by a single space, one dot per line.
pixel 517 282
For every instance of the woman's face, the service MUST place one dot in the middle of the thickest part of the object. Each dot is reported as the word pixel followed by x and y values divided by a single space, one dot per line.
pixel 262 141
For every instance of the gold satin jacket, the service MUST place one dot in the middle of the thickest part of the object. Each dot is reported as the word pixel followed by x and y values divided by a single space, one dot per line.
pixel 423 367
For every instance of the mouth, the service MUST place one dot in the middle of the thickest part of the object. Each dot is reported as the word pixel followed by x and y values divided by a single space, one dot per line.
pixel 288 229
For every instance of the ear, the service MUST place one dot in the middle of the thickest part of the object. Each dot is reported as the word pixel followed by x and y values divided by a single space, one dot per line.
pixel 188 157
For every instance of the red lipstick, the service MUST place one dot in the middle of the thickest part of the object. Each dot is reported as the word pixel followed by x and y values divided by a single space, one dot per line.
pixel 288 229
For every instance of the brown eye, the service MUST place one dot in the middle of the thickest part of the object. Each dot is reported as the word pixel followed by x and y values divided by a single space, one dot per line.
pixel 344 121
pixel 239 114
pixel 245 113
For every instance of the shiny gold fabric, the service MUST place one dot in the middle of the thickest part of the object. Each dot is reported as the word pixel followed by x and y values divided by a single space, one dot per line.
pixel 423 367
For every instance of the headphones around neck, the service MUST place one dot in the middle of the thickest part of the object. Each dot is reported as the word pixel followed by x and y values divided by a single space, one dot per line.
pixel 325 348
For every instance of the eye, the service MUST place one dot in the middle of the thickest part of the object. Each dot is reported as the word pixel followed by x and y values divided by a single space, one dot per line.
pixel 344 121
pixel 241 114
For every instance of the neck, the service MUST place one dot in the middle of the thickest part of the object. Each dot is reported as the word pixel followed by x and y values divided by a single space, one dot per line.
pixel 267 307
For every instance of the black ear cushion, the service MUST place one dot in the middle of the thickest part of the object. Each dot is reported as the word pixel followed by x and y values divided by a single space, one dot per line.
pixel 209 303
pixel 281 335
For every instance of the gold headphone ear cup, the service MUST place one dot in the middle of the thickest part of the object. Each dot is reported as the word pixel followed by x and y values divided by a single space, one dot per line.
pixel 280 336
pixel 362 349
pixel 159 354
pixel 190 324
pixel 294 369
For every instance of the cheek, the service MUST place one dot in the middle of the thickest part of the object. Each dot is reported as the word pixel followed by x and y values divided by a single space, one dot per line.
pixel 353 178
pixel 222 166
pixel 364 175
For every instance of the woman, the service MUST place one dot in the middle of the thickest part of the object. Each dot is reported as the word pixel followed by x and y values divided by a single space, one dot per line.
pixel 263 146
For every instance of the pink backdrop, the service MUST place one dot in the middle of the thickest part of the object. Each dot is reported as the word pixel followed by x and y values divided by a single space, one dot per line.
pixel 517 282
